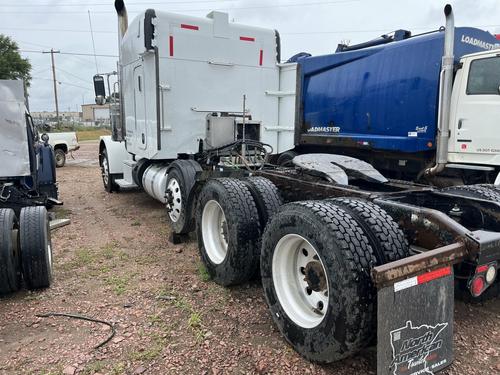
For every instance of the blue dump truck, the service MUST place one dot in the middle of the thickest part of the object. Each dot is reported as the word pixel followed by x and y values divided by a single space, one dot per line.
pixel 386 102
pixel 27 188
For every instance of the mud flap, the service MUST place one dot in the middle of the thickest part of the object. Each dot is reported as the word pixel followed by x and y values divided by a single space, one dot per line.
pixel 415 324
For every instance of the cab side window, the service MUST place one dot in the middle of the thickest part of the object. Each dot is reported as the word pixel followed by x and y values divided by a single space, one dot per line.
pixel 484 77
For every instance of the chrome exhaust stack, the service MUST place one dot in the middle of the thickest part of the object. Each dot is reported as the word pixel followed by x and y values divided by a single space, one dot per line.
pixel 445 90
pixel 116 109
pixel 121 11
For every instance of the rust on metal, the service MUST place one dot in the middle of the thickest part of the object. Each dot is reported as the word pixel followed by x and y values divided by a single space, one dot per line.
pixel 390 273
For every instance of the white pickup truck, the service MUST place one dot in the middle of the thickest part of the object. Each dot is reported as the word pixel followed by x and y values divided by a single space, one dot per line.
pixel 62 143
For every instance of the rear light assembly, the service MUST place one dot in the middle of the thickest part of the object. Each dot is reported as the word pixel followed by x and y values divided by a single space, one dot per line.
pixel 484 276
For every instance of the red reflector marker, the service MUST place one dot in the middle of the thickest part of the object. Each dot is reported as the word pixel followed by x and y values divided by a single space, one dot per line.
pixel 171 42
pixel 481 269
pixel 261 57
pixel 189 27
pixel 422 279
pixel 247 38
pixel 426 277
pixel 477 286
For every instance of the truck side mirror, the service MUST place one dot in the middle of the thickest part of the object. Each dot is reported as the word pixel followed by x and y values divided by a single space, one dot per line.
pixel 100 91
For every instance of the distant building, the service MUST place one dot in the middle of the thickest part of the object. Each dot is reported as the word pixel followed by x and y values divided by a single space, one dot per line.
pixel 95 113
pixel 46 116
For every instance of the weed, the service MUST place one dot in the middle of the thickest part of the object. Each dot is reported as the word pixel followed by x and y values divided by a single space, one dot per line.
pixel 118 283
pixel 203 273
pixel 152 351
pixel 118 369
pixel 93 367
pixel 136 223
pixel 194 320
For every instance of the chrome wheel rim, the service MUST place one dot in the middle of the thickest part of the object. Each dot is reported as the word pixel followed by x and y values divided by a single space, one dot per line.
pixel 300 280
pixel 174 204
pixel 105 171
pixel 214 231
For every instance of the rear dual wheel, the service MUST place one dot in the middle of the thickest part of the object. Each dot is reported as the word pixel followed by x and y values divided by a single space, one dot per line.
pixel 10 270
pixel 228 230
pixel 315 265
pixel 36 247
pixel 27 249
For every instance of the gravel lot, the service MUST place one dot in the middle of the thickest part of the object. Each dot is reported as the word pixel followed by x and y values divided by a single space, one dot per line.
pixel 114 263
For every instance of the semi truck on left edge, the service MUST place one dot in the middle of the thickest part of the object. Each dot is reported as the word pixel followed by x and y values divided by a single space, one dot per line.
pixel 27 187
pixel 345 254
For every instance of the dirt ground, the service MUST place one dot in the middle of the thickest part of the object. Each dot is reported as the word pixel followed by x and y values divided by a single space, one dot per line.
pixel 114 263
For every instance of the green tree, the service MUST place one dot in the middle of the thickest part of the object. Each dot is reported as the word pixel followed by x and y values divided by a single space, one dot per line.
pixel 12 65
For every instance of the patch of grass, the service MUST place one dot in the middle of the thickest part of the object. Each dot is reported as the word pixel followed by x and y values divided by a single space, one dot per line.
pixel 152 351
pixel 91 134
pixel 119 284
pixel 118 369
pixel 203 273
pixel 93 367
pixel 81 257
pixel 136 223
pixel 194 320
pixel 195 323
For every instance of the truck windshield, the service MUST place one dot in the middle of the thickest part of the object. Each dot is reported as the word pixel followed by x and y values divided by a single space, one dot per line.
pixel 484 77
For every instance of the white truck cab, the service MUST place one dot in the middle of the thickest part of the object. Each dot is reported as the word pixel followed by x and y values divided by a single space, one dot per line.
pixel 475 111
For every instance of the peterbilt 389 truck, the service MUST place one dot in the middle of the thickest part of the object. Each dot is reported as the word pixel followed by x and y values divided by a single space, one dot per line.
pixel 345 254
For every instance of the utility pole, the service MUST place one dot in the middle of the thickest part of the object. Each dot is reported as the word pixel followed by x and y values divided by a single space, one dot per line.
pixel 55 81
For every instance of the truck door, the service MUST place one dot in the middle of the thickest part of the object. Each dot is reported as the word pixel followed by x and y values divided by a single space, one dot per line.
pixel 476 121
pixel 139 108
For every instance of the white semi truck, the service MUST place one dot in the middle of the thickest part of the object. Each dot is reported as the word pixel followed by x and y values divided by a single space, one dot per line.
pixel 341 249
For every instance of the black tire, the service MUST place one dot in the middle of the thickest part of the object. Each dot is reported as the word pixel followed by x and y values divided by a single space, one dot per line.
pixel 344 250
pixel 10 267
pixel 474 191
pixel 285 159
pixel 108 179
pixel 386 237
pixel 60 157
pixel 239 263
pixel 266 196
pixel 182 174
pixel 36 249
pixel 493 187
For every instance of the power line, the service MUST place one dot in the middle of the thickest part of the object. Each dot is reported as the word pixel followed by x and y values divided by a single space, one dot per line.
pixel 70 53
pixel 201 9
pixel 63 82
pixel 73 75
pixel 281 33
pixel 168 2
pixel 93 44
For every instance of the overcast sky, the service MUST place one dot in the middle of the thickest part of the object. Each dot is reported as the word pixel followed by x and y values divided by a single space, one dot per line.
pixel 315 26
